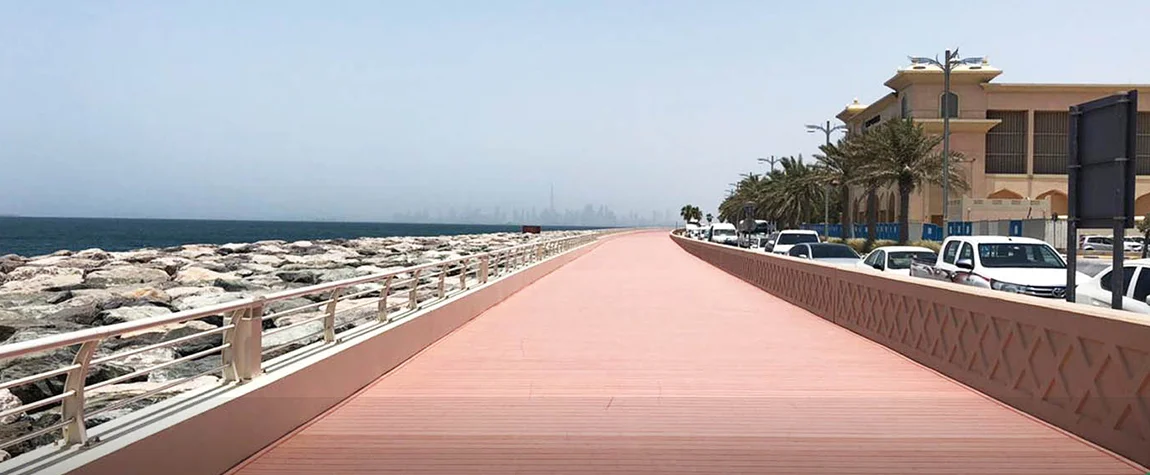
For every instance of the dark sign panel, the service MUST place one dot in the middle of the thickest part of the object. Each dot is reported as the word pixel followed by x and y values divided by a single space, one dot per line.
pixel 1100 164
pixel 532 229
pixel 1101 161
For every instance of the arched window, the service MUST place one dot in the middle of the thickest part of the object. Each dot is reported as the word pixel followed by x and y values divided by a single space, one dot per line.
pixel 950 101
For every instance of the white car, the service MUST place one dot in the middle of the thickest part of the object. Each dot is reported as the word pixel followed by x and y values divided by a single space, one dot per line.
pixel 1096 291
pixel 723 233
pixel 785 240
pixel 896 259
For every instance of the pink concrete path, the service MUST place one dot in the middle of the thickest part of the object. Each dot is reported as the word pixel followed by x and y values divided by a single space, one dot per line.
pixel 640 358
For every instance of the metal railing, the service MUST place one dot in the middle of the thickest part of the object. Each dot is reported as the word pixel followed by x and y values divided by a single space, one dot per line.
pixel 250 334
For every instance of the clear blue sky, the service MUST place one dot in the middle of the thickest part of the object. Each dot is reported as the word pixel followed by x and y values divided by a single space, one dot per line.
pixel 356 110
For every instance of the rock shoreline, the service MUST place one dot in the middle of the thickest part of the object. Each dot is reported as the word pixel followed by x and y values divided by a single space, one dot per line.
pixel 66 291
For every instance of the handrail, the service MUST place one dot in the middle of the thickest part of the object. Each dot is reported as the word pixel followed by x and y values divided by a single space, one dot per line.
pixel 242 349
pixel 96 333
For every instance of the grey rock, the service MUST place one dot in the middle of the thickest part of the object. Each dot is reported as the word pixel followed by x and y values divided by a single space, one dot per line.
pixel 125 275
pixel 237 285
pixel 185 369
pixel 281 306
pixel 59 297
pixel 26 424
pixel 299 276
pixel 179 292
pixel 200 276
pixel 334 275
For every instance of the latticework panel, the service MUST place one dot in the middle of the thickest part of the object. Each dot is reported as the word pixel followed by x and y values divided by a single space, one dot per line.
pixel 1069 365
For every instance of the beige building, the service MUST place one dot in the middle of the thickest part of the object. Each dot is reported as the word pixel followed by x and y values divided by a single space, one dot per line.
pixel 1013 138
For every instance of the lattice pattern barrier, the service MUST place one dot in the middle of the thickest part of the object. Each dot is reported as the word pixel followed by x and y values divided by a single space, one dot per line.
pixel 1083 369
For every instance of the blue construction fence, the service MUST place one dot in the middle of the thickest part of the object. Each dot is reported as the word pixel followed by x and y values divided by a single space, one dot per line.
pixel 925 231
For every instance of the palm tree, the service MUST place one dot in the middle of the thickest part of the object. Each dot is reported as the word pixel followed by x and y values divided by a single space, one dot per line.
pixel 1144 228
pixel 838 167
pixel 793 194
pixel 709 218
pixel 903 155
pixel 690 212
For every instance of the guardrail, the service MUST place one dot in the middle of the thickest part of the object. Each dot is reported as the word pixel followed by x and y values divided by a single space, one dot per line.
pixel 1081 368
pixel 250 334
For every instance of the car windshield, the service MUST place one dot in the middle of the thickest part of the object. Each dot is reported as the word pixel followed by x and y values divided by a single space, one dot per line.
pixel 833 251
pixel 1019 255
pixel 724 232
pixel 901 259
pixel 797 238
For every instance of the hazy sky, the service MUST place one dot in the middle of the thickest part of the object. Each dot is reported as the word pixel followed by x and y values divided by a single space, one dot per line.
pixel 355 110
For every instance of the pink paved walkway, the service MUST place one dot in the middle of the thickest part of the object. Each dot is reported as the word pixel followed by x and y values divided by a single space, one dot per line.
pixel 639 358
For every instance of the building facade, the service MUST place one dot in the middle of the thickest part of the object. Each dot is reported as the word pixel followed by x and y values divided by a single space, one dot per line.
pixel 1012 137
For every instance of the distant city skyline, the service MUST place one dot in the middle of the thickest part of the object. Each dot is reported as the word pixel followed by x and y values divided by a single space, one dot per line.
pixel 588 215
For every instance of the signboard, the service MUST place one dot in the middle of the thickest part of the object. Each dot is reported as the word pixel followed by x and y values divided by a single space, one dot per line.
pixel 1101 161
pixel 532 229
pixel 1100 168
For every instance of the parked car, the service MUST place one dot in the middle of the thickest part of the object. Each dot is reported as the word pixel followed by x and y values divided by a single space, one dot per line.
pixel 786 239
pixel 836 254
pixel 896 259
pixel 1096 291
pixel 1106 243
pixel 1009 264
pixel 723 233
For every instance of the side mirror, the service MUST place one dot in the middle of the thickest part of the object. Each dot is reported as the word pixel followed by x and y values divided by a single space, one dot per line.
pixel 878 266
pixel 964 264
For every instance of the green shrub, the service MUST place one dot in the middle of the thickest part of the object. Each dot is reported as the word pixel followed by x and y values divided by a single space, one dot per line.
pixel 932 245
pixel 860 245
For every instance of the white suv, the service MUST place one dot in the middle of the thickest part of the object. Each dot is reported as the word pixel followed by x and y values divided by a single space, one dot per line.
pixel 785 240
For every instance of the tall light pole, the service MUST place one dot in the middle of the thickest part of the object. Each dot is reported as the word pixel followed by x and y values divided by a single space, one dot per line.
pixel 771 160
pixel 950 60
pixel 826 130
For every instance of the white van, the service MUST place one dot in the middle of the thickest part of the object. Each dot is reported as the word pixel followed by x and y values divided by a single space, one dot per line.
pixel 723 233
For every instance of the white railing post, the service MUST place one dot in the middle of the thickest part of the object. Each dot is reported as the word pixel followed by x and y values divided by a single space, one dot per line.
pixel 484 263
pixel 249 353
pixel 441 288
pixel 383 293
pixel 72 408
pixel 329 318
pixel 463 266
pixel 414 295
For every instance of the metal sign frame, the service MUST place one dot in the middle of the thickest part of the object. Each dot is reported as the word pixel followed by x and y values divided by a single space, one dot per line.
pixel 1102 144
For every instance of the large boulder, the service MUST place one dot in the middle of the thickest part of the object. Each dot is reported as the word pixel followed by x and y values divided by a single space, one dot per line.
pixel 234 248
pixel 200 276
pixel 9 262
pixel 125 275
pixel 180 292
pixel 129 314
pixel 30 279
pixel 267 260
pixel 141 256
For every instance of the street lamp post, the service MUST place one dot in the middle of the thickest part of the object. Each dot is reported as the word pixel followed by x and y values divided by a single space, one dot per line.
pixel 826 130
pixel 771 161
pixel 950 60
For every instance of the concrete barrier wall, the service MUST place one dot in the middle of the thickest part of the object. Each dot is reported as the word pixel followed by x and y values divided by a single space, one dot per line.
pixel 246 419
pixel 1083 369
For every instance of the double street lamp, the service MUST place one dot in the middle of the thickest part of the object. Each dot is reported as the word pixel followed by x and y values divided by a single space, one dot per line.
pixel 826 130
pixel 951 59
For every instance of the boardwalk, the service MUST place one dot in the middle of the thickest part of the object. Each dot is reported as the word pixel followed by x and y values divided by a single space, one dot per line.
pixel 639 358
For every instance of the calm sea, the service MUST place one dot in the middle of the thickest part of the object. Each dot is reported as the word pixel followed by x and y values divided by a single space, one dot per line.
pixel 37 236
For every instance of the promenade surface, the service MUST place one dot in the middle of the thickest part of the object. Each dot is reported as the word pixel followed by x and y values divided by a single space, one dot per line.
pixel 640 358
